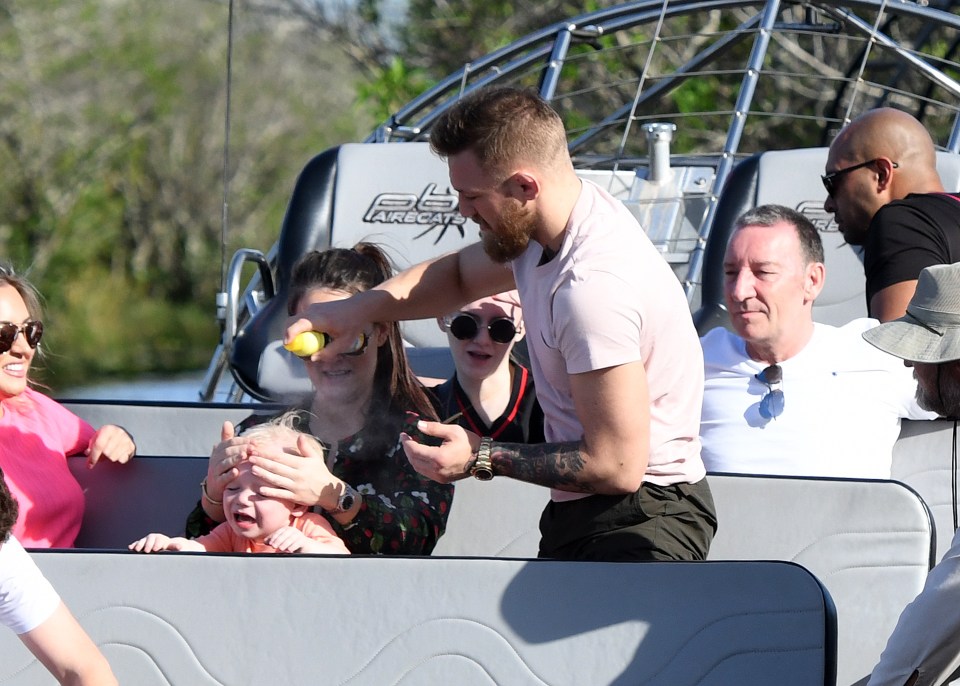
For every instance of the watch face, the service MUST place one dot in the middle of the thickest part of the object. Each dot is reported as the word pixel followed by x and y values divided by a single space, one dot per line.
pixel 483 473
pixel 346 502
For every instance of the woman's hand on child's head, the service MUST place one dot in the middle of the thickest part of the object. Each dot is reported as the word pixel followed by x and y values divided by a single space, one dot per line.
pixel 112 443
pixel 150 543
pixel 303 479
pixel 287 539
pixel 224 458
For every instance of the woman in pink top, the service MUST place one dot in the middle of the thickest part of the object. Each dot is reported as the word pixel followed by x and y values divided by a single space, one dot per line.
pixel 37 434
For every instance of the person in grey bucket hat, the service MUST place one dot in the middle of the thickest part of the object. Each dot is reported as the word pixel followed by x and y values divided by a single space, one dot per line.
pixel 930 330
pixel 925 645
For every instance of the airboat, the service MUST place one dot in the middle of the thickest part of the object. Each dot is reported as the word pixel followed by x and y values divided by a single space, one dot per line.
pixel 690 112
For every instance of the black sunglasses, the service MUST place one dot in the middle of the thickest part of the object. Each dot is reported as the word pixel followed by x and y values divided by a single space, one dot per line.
pixel 772 403
pixel 465 327
pixel 32 331
pixel 830 180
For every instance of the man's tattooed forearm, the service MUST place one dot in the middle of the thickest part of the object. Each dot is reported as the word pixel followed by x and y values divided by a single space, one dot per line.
pixel 555 465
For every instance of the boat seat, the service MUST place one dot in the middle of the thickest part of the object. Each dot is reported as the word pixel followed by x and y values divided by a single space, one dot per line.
pixel 869 542
pixel 167 428
pixel 922 459
pixel 395 195
pixel 126 501
pixel 209 619
pixel 792 178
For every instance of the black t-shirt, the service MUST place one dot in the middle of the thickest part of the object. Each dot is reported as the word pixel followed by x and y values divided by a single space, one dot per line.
pixel 905 236
pixel 521 422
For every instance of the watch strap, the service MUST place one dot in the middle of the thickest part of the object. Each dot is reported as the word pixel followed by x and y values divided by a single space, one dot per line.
pixel 482 467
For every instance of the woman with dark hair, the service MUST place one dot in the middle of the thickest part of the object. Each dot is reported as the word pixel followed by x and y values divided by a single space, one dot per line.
pixel 38 434
pixel 365 485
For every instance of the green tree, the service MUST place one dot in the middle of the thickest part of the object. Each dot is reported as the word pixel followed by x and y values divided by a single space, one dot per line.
pixel 111 138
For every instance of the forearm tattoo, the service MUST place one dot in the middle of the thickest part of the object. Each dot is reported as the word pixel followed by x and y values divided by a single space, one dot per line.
pixel 555 465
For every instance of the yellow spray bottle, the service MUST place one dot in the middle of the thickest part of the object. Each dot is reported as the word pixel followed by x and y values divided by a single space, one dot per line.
pixel 307 343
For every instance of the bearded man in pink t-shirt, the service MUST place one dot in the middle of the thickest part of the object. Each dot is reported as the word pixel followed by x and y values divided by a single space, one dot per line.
pixel 616 359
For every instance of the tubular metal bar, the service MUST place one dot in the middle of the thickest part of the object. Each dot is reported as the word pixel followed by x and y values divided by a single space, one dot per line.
pixel 640 83
pixel 233 289
pixel 679 77
pixel 512 58
pixel 551 75
pixel 744 99
pixel 922 66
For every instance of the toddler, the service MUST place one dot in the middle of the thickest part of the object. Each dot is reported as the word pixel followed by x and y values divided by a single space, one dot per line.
pixel 255 523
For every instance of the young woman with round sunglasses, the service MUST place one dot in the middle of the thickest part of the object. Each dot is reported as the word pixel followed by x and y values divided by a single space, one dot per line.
pixel 365 486
pixel 491 393
pixel 37 434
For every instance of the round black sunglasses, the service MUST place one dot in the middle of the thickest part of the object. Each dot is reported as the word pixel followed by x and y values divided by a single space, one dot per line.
pixel 465 327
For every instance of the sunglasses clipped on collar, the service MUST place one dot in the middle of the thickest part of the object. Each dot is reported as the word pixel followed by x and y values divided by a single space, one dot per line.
pixel 31 330
pixel 465 327
pixel 772 403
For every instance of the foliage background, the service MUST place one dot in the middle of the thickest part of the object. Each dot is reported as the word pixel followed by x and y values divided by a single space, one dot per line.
pixel 112 146
pixel 111 141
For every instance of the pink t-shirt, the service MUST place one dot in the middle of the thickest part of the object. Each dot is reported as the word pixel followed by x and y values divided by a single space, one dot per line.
pixel 36 436
pixel 609 298
pixel 224 539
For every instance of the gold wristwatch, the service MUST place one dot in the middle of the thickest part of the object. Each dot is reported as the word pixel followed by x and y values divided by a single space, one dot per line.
pixel 482 468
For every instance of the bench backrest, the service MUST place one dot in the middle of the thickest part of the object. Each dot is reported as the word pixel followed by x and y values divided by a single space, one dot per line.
pixel 200 619
pixel 167 428
pixel 922 459
pixel 148 494
pixel 870 542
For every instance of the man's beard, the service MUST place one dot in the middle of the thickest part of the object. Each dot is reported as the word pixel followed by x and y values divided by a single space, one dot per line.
pixel 514 228
pixel 944 399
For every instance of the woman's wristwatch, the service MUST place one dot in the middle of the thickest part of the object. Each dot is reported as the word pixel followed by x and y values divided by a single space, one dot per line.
pixel 347 499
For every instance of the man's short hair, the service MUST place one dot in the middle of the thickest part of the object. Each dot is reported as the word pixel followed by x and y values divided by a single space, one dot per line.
pixel 8 510
pixel 769 215
pixel 502 126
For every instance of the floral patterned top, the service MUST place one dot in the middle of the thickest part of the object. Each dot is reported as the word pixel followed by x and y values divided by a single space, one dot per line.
pixel 401 513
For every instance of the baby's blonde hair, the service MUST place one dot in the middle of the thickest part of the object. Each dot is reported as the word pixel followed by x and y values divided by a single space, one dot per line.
pixel 278 428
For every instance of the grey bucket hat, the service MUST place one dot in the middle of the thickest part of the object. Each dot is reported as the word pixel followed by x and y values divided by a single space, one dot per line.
pixel 930 331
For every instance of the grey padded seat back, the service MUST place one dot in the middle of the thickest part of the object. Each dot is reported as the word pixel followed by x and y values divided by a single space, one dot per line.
pixel 148 494
pixel 188 618
pixel 166 428
pixel 792 178
pixel 497 518
pixel 869 542
pixel 922 459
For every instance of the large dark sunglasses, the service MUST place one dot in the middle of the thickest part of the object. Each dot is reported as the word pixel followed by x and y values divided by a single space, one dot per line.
pixel 772 403
pixel 32 331
pixel 830 180
pixel 465 327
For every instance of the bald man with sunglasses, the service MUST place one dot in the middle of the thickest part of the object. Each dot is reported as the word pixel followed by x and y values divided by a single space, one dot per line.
pixel 886 195
pixel 785 395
